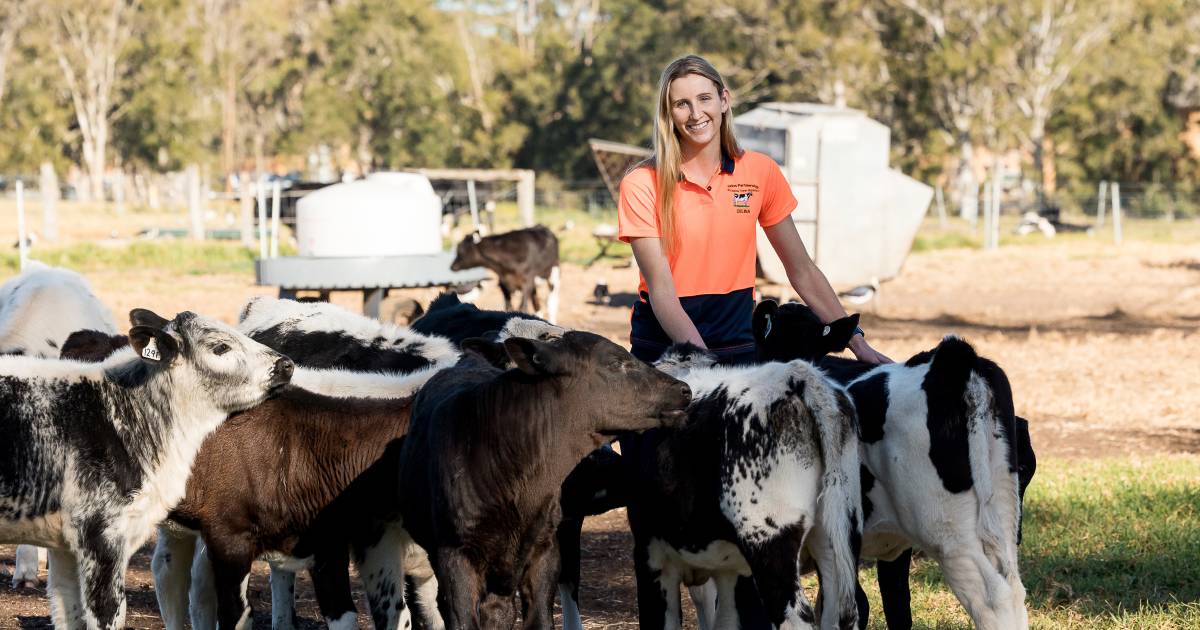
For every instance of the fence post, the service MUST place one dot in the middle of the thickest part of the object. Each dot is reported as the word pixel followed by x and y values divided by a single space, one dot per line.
pixel 525 191
pixel 473 203
pixel 49 188
pixel 941 206
pixel 275 210
pixel 194 210
pixel 246 197
pixel 1100 203
pixel 22 244
pixel 261 187
pixel 119 191
pixel 1116 212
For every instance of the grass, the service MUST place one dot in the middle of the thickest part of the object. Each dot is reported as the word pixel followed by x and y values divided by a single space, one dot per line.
pixel 169 257
pixel 959 234
pixel 1108 544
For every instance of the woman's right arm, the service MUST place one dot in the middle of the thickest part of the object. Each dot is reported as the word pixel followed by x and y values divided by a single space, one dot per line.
pixel 652 262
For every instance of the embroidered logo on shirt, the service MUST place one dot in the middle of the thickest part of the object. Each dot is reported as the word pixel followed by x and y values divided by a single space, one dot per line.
pixel 741 201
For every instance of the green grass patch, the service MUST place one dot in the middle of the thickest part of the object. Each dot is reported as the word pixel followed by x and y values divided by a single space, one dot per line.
pixel 174 257
pixel 958 234
pixel 1110 544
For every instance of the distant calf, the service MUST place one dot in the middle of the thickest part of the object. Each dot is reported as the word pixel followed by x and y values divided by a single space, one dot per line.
pixel 38 310
pixel 96 454
pixel 482 467
pixel 518 259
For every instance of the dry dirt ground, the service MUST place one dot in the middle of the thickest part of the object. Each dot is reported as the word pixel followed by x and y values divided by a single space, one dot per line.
pixel 1100 344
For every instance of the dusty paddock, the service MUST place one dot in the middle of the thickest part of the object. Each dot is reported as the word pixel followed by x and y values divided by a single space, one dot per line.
pixel 1100 344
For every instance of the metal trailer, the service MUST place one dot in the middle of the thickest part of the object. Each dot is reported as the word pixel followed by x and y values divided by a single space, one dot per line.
pixel 856 216
pixel 372 235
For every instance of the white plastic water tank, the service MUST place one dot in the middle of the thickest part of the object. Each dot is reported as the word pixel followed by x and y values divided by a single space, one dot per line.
pixel 386 214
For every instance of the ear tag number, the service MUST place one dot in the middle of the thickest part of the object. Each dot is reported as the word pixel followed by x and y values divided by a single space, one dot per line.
pixel 151 351
pixel 825 333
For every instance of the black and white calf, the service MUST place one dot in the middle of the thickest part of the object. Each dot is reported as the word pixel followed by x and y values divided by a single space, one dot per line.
pixel 326 336
pixel 39 308
pixel 519 259
pixel 487 454
pixel 765 466
pixel 96 454
pixel 945 461
pixel 449 317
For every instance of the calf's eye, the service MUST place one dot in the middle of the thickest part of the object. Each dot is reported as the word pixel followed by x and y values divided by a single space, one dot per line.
pixel 220 349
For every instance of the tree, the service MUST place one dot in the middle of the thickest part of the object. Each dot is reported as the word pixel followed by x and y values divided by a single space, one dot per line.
pixel 88 38
pixel 953 46
pixel 1051 38
pixel 13 16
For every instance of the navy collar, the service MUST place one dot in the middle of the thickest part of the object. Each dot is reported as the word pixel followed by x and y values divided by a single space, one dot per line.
pixel 726 164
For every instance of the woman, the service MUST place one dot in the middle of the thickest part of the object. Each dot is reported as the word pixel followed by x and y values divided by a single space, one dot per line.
pixel 689 214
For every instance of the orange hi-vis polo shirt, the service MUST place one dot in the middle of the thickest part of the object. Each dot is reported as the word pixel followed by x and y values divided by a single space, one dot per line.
pixel 713 268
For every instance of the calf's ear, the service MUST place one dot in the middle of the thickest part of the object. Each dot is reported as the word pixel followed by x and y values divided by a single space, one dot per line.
pixel 154 345
pixel 764 319
pixel 837 334
pixel 536 358
pixel 147 317
pixel 489 351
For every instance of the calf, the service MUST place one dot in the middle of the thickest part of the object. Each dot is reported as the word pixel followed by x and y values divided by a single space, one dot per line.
pixel 324 404
pixel 764 467
pixel 488 452
pixel 323 335
pixel 321 471
pixel 518 259
pixel 38 309
pixel 96 454
pixel 945 462
pixel 448 317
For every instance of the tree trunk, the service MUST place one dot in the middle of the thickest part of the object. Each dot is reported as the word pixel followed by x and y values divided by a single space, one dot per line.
pixel 966 185
pixel 229 126
pixel 1037 137
pixel 49 189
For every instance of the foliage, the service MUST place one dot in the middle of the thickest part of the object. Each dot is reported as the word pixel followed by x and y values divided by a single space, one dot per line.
pixel 496 83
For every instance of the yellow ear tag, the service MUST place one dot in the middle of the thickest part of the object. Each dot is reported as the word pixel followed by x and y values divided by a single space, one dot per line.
pixel 151 351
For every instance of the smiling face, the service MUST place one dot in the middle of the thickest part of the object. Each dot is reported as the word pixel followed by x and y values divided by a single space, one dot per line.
pixel 697 107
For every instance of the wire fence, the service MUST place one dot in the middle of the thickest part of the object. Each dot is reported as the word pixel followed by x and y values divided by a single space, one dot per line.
pixel 1142 200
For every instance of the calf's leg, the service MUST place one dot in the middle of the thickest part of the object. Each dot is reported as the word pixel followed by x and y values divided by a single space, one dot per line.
pixel 657 593
pixel 331 581
pixel 988 597
pixel 171 565
pixel 894 590
pixel 62 585
pixel 568 533
pixel 460 587
pixel 25 569
pixel 381 565
pixel 283 599
pixel 231 570
pixel 537 585
pixel 101 567
pixel 203 593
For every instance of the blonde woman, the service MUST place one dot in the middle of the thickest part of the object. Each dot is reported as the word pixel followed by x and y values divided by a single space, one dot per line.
pixel 689 213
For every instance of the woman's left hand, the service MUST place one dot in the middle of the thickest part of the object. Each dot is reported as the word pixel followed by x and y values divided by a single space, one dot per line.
pixel 864 351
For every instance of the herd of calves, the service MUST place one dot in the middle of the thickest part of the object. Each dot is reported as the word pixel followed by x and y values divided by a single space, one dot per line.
pixel 453 462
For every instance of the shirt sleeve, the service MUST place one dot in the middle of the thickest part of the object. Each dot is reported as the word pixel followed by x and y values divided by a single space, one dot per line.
pixel 778 200
pixel 637 210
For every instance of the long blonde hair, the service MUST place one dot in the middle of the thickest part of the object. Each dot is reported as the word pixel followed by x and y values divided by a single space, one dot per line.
pixel 667 159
